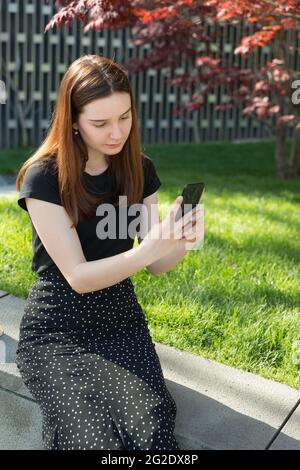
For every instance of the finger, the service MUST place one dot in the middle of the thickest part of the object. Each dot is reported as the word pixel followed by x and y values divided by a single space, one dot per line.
pixel 170 223
pixel 185 218
pixel 191 217
pixel 192 234
pixel 182 230
pixel 190 237
pixel 174 208
pixel 189 220
pixel 195 227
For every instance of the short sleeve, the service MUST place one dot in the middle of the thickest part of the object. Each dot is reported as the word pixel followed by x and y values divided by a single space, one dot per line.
pixel 152 181
pixel 39 184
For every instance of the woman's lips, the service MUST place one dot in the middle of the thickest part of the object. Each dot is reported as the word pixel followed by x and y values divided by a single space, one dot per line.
pixel 113 146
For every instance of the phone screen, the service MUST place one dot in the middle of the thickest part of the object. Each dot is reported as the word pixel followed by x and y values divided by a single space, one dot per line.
pixel 192 193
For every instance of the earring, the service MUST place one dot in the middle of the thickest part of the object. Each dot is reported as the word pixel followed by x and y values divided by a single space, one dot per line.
pixel 76 132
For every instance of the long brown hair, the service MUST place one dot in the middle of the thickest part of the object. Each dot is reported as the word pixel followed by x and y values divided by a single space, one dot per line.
pixel 88 78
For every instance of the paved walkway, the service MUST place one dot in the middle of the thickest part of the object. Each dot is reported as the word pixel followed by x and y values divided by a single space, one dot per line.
pixel 219 407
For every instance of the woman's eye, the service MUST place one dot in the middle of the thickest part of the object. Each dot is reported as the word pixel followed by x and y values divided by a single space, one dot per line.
pixel 102 125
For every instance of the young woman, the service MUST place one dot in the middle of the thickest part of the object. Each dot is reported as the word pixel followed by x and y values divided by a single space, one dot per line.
pixel 85 350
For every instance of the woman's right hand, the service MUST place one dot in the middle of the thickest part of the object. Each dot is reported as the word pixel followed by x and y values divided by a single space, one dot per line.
pixel 166 235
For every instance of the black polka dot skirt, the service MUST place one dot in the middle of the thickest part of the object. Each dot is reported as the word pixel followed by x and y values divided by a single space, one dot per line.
pixel 90 363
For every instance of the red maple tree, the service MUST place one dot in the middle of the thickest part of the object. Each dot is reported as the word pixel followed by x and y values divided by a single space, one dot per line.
pixel 175 27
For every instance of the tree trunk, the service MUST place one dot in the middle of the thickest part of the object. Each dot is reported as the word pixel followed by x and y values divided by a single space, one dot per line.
pixel 280 139
pixel 196 124
pixel 295 154
pixel 279 51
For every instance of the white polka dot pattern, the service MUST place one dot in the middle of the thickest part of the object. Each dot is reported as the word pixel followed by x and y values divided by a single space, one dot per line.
pixel 90 363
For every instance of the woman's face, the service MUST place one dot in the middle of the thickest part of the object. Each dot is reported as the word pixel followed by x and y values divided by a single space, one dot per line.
pixel 106 121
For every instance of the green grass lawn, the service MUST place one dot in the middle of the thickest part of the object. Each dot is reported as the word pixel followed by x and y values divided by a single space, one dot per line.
pixel 237 300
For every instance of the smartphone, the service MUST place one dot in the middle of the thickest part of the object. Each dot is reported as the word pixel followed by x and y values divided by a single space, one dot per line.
pixel 192 193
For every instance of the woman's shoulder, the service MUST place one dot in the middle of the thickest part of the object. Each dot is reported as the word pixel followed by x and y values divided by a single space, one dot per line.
pixel 40 173
pixel 147 162
pixel 145 158
pixel 45 167
pixel 48 165
pixel 152 180
pixel 39 182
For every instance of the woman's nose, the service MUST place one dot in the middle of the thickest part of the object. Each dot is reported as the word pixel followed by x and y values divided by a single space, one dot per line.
pixel 115 133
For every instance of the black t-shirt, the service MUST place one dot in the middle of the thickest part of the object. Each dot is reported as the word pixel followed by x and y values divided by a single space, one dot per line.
pixel 41 182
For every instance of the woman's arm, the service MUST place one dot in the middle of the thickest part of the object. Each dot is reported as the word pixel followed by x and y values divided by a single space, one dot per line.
pixel 53 226
pixel 93 275
pixel 168 262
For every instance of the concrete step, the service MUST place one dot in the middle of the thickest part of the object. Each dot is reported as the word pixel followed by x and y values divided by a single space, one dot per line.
pixel 218 407
pixel 227 408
